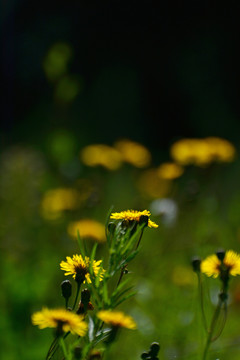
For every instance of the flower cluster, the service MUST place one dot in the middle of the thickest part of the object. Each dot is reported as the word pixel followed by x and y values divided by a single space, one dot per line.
pixel 202 152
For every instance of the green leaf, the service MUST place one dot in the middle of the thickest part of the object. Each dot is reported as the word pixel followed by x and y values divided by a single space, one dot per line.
pixel 125 298
pixel 80 244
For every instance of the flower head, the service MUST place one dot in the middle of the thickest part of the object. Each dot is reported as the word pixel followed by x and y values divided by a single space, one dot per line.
pixel 170 171
pixel 133 215
pixel 87 229
pixel 117 319
pixel 101 155
pixel 202 152
pixel 79 268
pixel 60 318
pixel 133 153
pixel 212 265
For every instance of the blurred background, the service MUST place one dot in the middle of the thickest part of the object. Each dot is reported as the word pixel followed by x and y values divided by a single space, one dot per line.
pixel 101 103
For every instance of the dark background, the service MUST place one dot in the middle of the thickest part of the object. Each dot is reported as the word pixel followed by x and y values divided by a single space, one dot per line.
pixel 150 71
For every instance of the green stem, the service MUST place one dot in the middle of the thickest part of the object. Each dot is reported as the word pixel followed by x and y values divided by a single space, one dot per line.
pixel 64 349
pixel 140 238
pixel 78 290
pixel 211 330
pixel 121 275
pixel 52 346
pixel 56 347
pixel 200 286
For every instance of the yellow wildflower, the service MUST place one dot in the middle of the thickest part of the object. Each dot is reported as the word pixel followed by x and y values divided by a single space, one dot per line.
pixel 117 319
pixel 87 229
pixel 62 318
pixel 57 200
pixel 202 152
pixel 133 215
pixel 212 266
pixel 79 268
pixel 169 171
pixel 103 155
pixel 221 149
pixel 134 153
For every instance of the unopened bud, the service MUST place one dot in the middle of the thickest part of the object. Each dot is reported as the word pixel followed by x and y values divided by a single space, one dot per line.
pixel 77 352
pixel 85 296
pixel 145 355
pixel 196 264
pixel 66 287
pixel 154 349
pixel 221 254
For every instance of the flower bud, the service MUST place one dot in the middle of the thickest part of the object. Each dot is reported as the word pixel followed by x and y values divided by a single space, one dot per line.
pixel 196 263
pixel 145 356
pixel 220 254
pixel 154 349
pixel 85 296
pixel 77 352
pixel 66 288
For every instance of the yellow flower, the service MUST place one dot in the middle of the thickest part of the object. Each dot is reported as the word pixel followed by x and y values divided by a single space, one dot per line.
pixel 103 155
pixel 202 152
pixel 212 266
pixel 133 215
pixel 133 153
pixel 169 171
pixel 55 201
pixel 79 268
pixel 191 151
pixel 117 319
pixel 87 229
pixel 62 318
pixel 221 149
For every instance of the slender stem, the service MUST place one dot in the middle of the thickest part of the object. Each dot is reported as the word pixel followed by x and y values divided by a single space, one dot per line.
pixel 121 275
pixel 64 349
pixel 201 301
pixel 55 348
pixel 78 289
pixel 223 322
pixel 52 346
pixel 140 238
pixel 211 330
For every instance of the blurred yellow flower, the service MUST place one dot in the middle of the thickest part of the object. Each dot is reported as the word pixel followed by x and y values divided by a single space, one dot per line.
pixel 221 149
pixel 117 319
pixel 103 155
pixel 134 153
pixel 79 268
pixel 202 152
pixel 169 171
pixel 62 318
pixel 212 266
pixel 57 200
pixel 150 184
pixel 133 215
pixel 87 229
